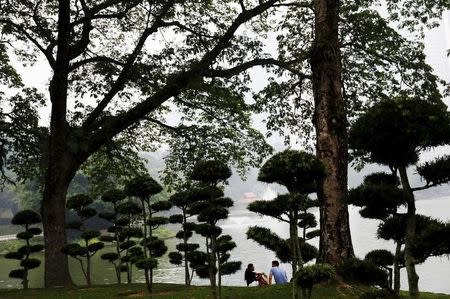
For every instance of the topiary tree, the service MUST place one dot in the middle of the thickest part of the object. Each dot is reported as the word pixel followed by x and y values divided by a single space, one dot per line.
pixel 380 198
pixel 224 266
pixel 144 188
pixel 80 204
pixel 210 207
pixel 399 130
pixel 383 259
pixel 129 234
pixel 119 223
pixel 182 200
pixel 308 276
pixel 26 219
pixel 301 173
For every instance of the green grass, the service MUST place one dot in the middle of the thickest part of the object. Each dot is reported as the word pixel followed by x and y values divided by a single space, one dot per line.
pixel 173 291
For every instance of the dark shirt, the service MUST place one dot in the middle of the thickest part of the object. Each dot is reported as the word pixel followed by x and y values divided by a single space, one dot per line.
pixel 250 276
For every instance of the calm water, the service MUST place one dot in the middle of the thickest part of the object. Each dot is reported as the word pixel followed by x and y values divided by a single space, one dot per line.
pixel 434 274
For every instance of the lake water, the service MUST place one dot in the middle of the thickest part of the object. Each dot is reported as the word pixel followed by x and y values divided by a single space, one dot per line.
pixel 434 273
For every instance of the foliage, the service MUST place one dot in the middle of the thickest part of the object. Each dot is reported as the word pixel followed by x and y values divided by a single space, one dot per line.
pixel 296 170
pixel 399 130
pixel 25 218
pixel 210 172
pixel 308 276
pixel 356 270
pixel 435 172
pixel 380 257
pixel 142 187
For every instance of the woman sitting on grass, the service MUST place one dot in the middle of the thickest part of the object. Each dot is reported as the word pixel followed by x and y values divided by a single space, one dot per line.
pixel 251 276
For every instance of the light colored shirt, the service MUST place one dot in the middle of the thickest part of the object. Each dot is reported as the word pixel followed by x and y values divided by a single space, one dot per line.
pixel 279 275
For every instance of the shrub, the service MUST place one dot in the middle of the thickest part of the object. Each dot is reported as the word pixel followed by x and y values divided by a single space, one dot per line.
pixel 356 270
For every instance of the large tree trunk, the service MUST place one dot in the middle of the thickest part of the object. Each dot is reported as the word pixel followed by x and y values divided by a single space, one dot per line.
pixel 413 278
pixel 61 164
pixel 59 176
pixel 331 129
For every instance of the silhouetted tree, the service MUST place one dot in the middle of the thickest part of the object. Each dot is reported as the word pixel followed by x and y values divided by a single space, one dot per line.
pixel 301 173
pixel 393 133
pixel 380 198
pixel 80 204
pixel 26 219
pixel 143 188
pixel 114 197
pixel 182 200
pixel 210 207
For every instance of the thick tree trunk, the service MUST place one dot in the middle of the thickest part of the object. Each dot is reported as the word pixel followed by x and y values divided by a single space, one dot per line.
pixel 61 164
pixel 413 278
pixel 331 129
pixel 53 220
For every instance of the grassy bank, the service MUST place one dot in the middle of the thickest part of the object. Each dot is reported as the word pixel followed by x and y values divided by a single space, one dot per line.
pixel 173 291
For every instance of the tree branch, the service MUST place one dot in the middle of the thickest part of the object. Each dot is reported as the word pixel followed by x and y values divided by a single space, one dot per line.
pixel 121 79
pixel 227 73
pixel 175 84
pixel 22 30
pixel 80 63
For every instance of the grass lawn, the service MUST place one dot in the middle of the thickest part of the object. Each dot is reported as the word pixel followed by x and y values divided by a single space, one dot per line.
pixel 174 291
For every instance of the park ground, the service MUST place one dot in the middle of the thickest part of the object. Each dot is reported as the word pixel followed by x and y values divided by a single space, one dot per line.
pixel 174 291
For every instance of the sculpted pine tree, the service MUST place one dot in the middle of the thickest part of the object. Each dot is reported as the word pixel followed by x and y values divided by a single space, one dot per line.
pixel 211 207
pixel 118 238
pixel 301 173
pixel 143 188
pixel 399 131
pixel 182 200
pixel 26 218
pixel 380 198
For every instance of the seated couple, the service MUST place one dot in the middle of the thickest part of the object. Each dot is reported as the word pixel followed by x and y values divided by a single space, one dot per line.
pixel 278 274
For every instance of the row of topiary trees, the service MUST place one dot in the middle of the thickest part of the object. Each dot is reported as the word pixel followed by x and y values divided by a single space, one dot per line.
pixel 398 129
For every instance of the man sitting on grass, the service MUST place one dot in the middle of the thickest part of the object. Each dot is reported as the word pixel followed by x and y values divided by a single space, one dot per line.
pixel 277 273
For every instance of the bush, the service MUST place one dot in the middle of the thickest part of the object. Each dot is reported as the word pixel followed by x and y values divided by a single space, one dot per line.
pixel 356 270
pixel 308 276
pixel 377 294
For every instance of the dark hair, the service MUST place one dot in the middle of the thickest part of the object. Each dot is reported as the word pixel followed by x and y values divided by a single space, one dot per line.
pixel 250 266
pixel 275 263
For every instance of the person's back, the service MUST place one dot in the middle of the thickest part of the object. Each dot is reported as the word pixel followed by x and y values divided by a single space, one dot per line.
pixel 277 273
